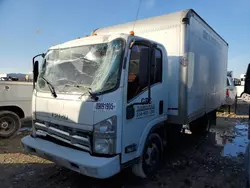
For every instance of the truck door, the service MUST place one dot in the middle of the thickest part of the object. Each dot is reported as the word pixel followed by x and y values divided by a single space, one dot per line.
pixel 146 100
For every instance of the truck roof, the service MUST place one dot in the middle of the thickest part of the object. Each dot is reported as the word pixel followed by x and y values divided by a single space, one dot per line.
pixel 154 24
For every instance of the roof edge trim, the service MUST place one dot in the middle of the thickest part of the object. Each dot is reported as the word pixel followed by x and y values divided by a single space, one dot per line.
pixel 188 14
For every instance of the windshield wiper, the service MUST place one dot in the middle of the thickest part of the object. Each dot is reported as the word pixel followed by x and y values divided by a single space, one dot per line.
pixel 92 95
pixel 51 87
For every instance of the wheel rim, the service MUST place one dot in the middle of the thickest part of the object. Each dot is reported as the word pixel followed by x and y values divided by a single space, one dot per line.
pixel 7 125
pixel 151 158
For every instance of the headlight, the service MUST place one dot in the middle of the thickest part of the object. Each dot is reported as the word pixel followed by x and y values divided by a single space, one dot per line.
pixel 101 146
pixel 105 136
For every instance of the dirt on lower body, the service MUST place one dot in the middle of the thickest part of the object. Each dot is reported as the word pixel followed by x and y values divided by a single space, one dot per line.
pixel 214 161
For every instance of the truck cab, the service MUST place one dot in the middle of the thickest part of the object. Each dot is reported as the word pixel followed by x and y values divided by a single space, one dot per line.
pixel 95 102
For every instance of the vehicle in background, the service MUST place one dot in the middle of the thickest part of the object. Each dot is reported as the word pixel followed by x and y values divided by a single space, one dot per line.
pixel 230 74
pixel 240 90
pixel 242 79
pixel 240 85
pixel 113 100
pixel 231 93
pixel 236 82
pixel 15 104
pixel 4 79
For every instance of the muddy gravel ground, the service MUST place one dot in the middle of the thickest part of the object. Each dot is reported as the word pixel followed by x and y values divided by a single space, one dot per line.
pixel 214 161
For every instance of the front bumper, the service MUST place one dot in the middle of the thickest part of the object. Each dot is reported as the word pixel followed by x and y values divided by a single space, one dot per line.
pixel 76 160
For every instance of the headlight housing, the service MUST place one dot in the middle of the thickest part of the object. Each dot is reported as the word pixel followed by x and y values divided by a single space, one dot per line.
pixel 104 137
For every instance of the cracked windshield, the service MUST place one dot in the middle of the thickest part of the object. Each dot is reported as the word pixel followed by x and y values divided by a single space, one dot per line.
pixel 92 67
pixel 125 94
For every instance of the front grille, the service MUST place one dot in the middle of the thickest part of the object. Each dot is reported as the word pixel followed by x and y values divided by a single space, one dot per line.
pixel 72 136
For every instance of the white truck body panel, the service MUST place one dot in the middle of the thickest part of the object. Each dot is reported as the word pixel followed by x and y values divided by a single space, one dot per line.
pixel 80 113
pixel 17 94
pixel 199 88
pixel 207 68
pixel 193 83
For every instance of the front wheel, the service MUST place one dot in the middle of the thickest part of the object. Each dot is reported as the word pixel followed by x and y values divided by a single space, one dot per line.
pixel 9 124
pixel 151 157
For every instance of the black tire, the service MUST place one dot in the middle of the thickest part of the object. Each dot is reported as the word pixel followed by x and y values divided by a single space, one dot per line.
pixel 9 124
pixel 151 158
pixel 200 127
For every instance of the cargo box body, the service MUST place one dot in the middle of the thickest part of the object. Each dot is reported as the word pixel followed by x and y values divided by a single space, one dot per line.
pixel 197 61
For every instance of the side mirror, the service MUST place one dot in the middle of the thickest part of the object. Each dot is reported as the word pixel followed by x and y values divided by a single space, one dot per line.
pixel 35 70
pixel 130 112
pixel 247 81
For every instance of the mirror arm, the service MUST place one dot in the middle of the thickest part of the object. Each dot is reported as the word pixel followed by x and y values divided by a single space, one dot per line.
pixel 33 63
pixel 33 59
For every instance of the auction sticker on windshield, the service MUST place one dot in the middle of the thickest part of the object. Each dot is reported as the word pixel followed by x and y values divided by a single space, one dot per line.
pixel 105 106
pixel 144 110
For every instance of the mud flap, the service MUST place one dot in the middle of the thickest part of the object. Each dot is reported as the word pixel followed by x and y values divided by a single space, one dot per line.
pixel 138 170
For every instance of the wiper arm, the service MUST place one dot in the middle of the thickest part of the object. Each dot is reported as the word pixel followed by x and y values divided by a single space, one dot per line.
pixel 51 87
pixel 92 95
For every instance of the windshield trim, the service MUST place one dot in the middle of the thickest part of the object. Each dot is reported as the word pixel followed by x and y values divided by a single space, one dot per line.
pixel 102 92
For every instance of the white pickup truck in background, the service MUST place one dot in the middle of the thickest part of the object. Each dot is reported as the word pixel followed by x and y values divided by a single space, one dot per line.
pixel 15 104
pixel 240 87
pixel 231 92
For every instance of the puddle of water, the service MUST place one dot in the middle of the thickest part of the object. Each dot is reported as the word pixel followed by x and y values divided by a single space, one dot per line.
pixel 234 142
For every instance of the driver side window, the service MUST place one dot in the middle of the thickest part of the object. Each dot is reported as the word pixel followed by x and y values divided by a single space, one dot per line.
pixel 136 63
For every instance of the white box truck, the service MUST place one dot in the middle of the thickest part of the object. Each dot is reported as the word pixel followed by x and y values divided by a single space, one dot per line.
pixel 15 104
pixel 113 100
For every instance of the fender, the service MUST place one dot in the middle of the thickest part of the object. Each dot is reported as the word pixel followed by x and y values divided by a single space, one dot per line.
pixel 150 126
